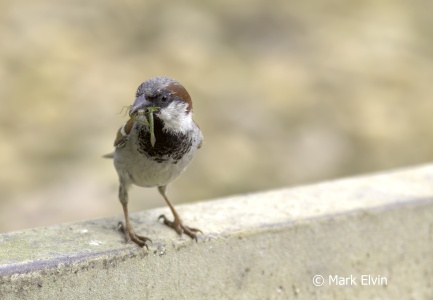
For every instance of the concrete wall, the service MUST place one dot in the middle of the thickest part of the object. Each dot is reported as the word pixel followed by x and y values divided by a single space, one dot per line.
pixel 367 237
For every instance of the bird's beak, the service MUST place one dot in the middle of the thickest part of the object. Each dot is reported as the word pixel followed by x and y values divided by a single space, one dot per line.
pixel 139 107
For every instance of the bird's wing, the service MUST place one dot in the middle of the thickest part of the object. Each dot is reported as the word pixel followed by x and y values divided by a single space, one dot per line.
pixel 201 136
pixel 200 144
pixel 123 133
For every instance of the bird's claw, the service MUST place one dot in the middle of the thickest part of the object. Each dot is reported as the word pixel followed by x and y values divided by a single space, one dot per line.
pixel 130 235
pixel 180 228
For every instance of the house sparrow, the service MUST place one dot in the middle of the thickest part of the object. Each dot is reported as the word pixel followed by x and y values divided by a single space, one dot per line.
pixel 155 146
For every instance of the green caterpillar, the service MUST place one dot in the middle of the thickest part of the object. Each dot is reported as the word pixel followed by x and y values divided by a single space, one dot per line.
pixel 149 116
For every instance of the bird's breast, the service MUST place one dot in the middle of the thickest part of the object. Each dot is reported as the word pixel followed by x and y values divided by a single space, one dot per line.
pixel 169 146
pixel 143 165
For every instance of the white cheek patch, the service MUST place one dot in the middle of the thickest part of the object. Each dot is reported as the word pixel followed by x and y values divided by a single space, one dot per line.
pixel 176 118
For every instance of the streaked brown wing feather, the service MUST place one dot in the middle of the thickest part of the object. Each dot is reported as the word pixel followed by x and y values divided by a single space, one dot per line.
pixel 123 133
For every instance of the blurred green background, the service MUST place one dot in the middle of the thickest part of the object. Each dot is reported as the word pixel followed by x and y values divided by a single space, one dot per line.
pixel 286 93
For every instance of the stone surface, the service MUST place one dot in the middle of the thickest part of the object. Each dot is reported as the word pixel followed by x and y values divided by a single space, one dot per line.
pixel 268 245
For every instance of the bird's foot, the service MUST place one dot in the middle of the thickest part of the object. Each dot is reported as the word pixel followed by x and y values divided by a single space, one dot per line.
pixel 130 235
pixel 180 228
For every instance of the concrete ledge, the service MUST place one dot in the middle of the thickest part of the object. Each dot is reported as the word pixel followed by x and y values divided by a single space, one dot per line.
pixel 261 246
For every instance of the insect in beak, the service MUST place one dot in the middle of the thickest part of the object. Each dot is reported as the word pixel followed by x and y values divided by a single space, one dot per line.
pixel 148 120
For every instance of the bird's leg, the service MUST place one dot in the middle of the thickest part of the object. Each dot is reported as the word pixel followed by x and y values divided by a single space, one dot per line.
pixel 177 224
pixel 127 228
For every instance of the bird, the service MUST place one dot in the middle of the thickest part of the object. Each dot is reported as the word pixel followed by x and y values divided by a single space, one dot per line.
pixel 155 146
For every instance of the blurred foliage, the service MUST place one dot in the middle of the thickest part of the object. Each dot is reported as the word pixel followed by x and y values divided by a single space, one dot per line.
pixel 285 92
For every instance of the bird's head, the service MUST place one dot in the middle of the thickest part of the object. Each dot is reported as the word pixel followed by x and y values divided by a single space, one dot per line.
pixel 167 100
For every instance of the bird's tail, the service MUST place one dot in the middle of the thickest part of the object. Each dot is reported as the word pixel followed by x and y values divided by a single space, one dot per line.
pixel 109 155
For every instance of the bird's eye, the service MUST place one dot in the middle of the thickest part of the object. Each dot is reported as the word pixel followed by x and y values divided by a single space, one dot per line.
pixel 164 98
